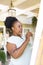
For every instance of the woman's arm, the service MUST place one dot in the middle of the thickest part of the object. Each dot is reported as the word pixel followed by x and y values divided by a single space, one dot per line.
pixel 14 51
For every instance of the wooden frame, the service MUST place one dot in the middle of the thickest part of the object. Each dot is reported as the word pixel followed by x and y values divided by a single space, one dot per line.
pixel 38 32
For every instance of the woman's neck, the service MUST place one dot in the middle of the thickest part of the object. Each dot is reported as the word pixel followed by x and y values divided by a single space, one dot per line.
pixel 16 35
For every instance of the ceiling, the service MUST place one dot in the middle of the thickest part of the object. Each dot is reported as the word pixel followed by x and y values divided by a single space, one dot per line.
pixel 23 7
pixel 28 3
pixel 36 10
pixel 22 4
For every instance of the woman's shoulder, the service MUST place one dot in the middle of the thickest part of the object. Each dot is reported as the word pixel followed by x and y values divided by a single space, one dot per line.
pixel 15 40
pixel 11 39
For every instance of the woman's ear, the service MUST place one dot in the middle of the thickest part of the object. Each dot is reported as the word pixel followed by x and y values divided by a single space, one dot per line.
pixel 12 28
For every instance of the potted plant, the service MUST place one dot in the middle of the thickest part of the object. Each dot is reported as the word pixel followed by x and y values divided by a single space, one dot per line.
pixel 2 57
pixel 34 21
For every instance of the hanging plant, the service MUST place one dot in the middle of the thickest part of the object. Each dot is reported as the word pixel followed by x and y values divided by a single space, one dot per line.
pixel 2 56
pixel 34 21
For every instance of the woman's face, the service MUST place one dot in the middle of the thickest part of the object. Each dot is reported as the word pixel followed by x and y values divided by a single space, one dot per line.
pixel 17 28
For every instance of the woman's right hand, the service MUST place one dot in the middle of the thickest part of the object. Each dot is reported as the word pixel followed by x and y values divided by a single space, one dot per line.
pixel 28 35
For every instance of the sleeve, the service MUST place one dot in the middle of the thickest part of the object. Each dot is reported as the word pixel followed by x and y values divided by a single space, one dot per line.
pixel 10 40
pixel 16 40
pixel 13 40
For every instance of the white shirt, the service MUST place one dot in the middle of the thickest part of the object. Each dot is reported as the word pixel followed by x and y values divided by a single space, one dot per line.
pixel 24 59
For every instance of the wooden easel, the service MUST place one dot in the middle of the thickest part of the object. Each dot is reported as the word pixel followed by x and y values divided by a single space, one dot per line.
pixel 39 59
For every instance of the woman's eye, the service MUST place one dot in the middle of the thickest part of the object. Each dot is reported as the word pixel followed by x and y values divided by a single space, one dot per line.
pixel 19 26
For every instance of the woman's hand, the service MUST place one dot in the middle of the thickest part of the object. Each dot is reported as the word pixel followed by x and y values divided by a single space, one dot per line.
pixel 28 35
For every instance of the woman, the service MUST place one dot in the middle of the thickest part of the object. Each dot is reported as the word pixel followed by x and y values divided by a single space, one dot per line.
pixel 16 45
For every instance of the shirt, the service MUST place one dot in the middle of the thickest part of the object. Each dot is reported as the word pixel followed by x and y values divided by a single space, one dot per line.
pixel 24 59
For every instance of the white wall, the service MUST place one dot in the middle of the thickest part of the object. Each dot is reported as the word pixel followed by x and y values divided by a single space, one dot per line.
pixel 25 20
